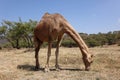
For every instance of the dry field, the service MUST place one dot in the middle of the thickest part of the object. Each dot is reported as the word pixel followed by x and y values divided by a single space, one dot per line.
pixel 19 64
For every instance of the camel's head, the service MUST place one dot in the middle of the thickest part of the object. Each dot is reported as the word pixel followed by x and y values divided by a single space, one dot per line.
pixel 87 61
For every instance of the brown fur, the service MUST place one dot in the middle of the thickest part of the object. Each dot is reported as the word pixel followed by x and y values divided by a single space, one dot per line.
pixel 52 27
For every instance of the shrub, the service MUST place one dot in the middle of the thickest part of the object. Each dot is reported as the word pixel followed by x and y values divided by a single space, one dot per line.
pixel 92 43
pixel 69 43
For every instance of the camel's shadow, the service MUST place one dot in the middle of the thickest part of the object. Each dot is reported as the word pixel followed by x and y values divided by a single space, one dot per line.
pixel 28 67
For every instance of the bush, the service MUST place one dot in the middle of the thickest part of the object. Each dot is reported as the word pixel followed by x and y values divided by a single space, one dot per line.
pixel 69 43
pixel 6 45
pixel 92 43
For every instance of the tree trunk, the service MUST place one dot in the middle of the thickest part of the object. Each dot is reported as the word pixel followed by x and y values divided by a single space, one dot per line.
pixel 17 44
pixel 27 41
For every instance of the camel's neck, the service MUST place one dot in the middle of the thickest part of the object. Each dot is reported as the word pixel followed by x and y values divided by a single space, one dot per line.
pixel 76 37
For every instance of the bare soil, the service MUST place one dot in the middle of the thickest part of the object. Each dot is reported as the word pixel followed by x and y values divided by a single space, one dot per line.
pixel 19 64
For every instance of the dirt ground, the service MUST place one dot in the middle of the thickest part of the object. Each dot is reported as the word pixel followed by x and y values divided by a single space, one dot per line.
pixel 19 64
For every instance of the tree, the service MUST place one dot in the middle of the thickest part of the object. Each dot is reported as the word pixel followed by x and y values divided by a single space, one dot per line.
pixel 28 34
pixel 3 30
pixel 111 38
pixel 19 33
pixel 93 40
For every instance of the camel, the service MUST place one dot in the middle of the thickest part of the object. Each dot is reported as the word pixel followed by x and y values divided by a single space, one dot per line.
pixel 52 27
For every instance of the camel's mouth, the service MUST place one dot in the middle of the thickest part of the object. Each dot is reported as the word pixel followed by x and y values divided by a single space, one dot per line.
pixel 87 66
pixel 87 69
pixel 87 62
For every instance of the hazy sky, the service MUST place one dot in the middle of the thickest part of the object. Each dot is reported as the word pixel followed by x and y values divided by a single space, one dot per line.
pixel 88 16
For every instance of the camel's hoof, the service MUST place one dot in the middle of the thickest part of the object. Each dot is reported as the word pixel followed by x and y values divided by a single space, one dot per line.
pixel 46 70
pixel 57 68
pixel 87 69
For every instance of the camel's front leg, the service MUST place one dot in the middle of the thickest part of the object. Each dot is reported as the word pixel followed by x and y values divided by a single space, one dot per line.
pixel 57 51
pixel 57 54
pixel 48 57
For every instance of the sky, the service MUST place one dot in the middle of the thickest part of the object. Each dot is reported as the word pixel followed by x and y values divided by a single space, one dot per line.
pixel 86 16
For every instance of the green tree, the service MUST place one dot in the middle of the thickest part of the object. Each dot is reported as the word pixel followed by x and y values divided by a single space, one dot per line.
pixel 111 38
pixel 28 34
pixel 102 38
pixel 3 30
pixel 19 33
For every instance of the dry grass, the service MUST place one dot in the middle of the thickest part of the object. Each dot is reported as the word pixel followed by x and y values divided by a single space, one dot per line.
pixel 19 65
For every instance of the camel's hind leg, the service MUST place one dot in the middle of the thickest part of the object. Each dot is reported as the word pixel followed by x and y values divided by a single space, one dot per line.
pixel 38 43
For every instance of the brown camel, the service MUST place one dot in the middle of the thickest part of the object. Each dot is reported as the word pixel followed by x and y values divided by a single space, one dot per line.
pixel 52 27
